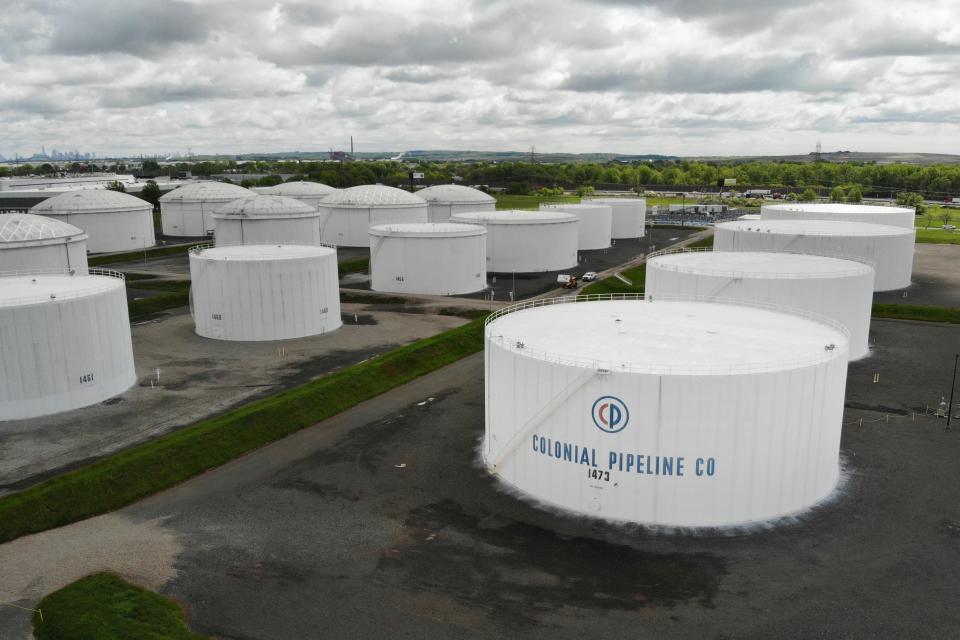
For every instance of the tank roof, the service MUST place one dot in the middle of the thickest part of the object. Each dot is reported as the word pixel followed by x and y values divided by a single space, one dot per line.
pixel 260 206
pixel 669 336
pixel 815 227
pixel 428 230
pixel 616 202
pixel 30 228
pixel 758 264
pixel 372 195
pixel 90 201
pixel 582 206
pixel 25 290
pixel 836 207
pixel 255 252
pixel 299 188
pixel 455 194
pixel 515 216
pixel 215 191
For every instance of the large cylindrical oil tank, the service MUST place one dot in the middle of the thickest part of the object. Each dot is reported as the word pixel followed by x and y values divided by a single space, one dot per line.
pixel 444 200
pixel 65 343
pixel 31 243
pixel 264 292
pixel 113 221
pixel 889 249
pixel 629 216
pixel 876 214
pixel 346 215
pixel 526 241
pixel 259 219
pixel 439 258
pixel 670 412
pixel 596 223
pixel 831 287
pixel 311 193
pixel 188 210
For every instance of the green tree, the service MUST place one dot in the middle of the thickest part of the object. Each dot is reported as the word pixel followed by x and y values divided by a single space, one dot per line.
pixel 808 195
pixel 911 199
pixel 585 190
pixel 838 194
pixel 116 186
pixel 854 194
pixel 150 167
pixel 151 193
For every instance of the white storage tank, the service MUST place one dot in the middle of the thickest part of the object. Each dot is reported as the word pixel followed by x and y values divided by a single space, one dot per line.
pixel 629 216
pixel 889 249
pixel 526 241
pixel 596 223
pixel 439 258
pixel 29 242
pixel 264 292
pixel 894 216
pixel 444 200
pixel 65 343
pixel 749 216
pixel 347 214
pixel 831 287
pixel 187 211
pixel 113 221
pixel 675 413
pixel 266 219
pixel 307 192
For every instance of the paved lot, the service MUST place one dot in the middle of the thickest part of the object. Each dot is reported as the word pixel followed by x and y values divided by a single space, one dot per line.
pixel 380 522
pixel 198 377
pixel 936 277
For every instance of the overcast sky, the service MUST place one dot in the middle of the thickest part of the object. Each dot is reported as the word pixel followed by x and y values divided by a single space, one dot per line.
pixel 682 77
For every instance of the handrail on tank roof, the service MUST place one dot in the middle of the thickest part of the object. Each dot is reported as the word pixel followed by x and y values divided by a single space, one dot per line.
pixel 197 248
pixel 61 271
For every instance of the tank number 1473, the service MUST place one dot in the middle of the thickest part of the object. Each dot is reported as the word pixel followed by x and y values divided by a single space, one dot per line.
pixel 597 474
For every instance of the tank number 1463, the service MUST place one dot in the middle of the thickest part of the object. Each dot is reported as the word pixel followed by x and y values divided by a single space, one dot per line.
pixel 597 474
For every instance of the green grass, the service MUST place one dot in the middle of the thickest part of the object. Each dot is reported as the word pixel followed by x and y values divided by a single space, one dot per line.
pixel 176 294
pixel 636 275
pixel 133 256
pixel 917 312
pixel 369 298
pixel 701 244
pixel 105 607
pixel 531 202
pixel 359 265
pixel 936 235
pixel 127 476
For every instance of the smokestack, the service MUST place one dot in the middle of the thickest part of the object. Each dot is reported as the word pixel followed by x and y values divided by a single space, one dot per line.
pixel 351 145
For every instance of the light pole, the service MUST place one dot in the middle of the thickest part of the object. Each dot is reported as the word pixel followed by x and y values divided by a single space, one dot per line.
pixel 953 386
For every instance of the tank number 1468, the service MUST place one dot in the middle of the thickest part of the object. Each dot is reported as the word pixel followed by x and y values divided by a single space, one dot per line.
pixel 597 474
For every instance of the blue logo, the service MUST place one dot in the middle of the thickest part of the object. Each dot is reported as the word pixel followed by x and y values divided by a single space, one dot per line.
pixel 610 414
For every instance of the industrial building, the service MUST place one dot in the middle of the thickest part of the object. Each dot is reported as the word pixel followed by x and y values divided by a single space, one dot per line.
pixel 347 214
pixel 30 243
pixel 889 249
pixel 113 221
pixel 526 241
pixel 311 193
pixel 259 219
pixel 629 216
pixel 65 341
pixel 596 223
pixel 430 258
pixel 664 412
pixel 895 216
pixel 841 290
pixel 188 211
pixel 264 292
pixel 444 200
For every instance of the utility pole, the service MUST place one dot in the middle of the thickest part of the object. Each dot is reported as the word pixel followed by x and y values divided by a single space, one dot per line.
pixel 953 386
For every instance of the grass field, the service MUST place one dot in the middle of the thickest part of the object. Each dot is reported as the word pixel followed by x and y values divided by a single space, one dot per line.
pixel 531 202
pixel 937 235
pixel 134 256
pixel 636 275
pixel 105 607
pixel 917 312
pixel 127 476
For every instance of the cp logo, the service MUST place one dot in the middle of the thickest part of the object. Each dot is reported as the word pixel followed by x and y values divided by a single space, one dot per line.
pixel 610 414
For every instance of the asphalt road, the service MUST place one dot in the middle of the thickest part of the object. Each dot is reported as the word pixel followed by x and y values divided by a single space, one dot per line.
pixel 379 522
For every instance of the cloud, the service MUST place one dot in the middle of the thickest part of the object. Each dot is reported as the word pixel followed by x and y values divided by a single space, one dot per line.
pixel 644 76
